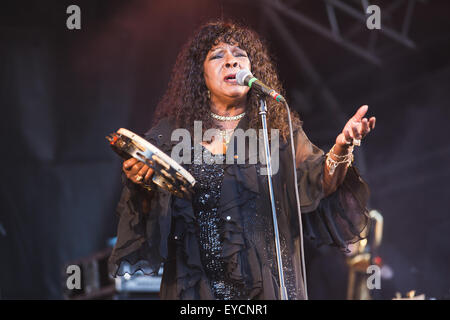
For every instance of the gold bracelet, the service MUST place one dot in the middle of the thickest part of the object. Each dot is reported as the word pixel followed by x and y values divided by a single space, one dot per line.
pixel 332 164
pixel 350 150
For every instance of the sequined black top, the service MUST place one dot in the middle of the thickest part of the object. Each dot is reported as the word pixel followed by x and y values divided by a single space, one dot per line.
pixel 209 175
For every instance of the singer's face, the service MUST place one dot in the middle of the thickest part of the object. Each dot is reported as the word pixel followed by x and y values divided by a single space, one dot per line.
pixel 222 63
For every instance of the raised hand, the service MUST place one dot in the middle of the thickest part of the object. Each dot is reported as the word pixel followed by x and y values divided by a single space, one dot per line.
pixel 356 128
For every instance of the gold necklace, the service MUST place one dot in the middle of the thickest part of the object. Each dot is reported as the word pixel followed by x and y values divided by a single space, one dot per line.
pixel 226 135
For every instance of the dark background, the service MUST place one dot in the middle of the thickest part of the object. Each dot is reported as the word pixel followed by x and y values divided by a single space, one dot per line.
pixel 62 91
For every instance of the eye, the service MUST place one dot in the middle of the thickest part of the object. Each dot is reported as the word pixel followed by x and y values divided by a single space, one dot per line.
pixel 215 57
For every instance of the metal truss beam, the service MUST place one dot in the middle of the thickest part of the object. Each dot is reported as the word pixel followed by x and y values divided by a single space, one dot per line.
pixel 334 33
pixel 323 31
pixel 361 16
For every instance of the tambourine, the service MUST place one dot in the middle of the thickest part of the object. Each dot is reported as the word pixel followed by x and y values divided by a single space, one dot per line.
pixel 168 175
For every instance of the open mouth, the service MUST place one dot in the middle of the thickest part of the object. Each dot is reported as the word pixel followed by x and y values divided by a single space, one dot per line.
pixel 231 78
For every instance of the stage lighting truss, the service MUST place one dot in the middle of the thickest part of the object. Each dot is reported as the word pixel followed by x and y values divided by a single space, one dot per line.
pixel 352 12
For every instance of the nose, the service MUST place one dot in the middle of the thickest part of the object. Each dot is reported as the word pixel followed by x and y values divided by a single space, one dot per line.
pixel 233 64
pixel 231 61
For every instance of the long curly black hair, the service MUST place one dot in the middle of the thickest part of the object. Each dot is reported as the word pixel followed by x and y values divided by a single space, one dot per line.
pixel 186 98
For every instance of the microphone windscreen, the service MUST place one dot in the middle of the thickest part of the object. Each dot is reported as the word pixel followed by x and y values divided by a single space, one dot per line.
pixel 241 75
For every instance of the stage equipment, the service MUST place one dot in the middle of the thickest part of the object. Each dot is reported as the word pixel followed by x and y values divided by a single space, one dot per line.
pixel 364 254
pixel 97 282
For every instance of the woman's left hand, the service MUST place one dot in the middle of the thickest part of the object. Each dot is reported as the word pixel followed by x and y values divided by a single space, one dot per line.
pixel 356 128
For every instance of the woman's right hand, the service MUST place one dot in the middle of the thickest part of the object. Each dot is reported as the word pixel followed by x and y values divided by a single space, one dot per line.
pixel 137 171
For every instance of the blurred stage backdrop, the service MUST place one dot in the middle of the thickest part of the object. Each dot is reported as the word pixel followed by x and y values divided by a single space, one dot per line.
pixel 62 91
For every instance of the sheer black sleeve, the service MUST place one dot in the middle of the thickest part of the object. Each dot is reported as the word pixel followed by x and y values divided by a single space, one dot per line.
pixel 338 219
pixel 142 233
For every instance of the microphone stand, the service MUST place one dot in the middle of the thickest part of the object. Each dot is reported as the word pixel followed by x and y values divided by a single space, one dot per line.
pixel 263 113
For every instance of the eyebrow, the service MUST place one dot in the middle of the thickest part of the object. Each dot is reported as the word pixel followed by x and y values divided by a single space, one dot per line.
pixel 222 48
pixel 216 49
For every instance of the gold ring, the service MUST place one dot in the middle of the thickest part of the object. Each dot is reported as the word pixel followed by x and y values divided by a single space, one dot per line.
pixel 357 142
pixel 139 178
pixel 147 187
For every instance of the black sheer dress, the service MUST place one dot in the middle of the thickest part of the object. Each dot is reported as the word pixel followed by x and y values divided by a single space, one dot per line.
pixel 220 245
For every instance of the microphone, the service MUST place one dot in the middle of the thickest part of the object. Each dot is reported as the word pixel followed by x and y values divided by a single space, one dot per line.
pixel 245 78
